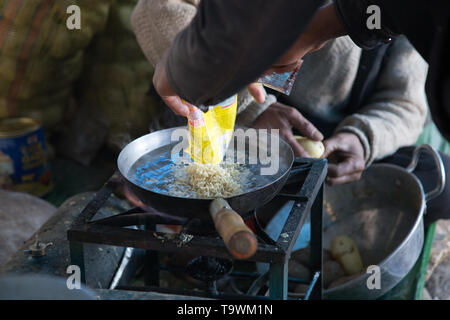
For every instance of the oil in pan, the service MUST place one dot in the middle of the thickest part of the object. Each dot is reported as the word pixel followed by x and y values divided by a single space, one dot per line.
pixel 23 161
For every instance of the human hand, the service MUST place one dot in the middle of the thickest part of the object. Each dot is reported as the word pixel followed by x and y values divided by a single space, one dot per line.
pixel 173 101
pixel 168 95
pixel 257 92
pixel 284 118
pixel 324 26
pixel 345 154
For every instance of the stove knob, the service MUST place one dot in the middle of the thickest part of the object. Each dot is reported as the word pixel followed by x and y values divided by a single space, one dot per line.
pixel 38 249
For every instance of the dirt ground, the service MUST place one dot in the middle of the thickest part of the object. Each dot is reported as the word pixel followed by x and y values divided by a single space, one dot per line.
pixel 21 215
pixel 438 272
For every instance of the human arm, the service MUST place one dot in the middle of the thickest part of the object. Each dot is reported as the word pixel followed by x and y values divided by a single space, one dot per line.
pixel 156 24
pixel 231 58
pixel 392 118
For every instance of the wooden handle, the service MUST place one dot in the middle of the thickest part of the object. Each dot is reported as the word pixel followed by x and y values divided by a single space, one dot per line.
pixel 239 239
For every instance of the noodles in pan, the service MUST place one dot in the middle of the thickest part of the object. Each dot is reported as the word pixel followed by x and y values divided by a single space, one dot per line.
pixel 213 181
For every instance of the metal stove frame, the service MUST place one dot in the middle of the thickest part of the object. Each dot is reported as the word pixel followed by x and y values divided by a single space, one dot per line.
pixel 308 202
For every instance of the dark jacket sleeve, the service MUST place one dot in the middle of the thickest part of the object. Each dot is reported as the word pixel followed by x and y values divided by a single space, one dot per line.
pixel 417 19
pixel 230 43
pixel 426 24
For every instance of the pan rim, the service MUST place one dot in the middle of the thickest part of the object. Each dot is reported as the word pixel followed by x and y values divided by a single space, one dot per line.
pixel 125 175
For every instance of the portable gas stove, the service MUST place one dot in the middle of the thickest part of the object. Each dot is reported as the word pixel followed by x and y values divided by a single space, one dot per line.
pixel 305 189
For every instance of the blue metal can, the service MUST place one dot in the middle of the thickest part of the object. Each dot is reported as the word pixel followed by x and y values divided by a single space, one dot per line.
pixel 23 161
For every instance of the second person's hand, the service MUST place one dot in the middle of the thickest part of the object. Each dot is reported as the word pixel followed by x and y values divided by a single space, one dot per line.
pixel 285 118
pixel 345 154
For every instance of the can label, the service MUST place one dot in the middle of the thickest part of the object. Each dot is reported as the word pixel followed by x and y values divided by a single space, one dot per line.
pixel 23 164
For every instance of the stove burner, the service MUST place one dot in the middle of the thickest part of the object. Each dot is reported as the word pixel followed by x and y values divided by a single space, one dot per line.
pixel 209 270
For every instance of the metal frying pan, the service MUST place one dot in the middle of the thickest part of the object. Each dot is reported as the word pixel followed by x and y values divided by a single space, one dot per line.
pixel 150 155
